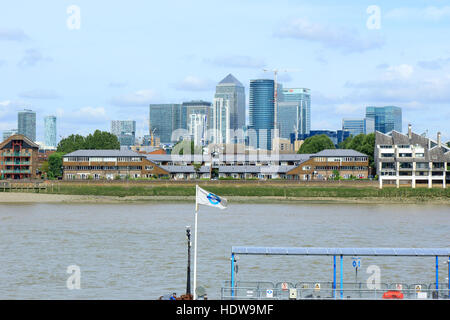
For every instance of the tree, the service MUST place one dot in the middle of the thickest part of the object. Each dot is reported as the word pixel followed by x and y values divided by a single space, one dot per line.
pixel 55 165
pixel 98 140
pixel 316 144
pixel 186 147
pixel 71 143
pixel 364 143
pixel 101 140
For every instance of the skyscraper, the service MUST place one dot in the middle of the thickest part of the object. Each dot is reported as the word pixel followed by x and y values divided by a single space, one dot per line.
pixel 26 124
pixel 125 130
pixel 358 126
pixel 386 118
pixel 298 114
pixel 196 118
pixel 261 113
pixel 50 131
pixel 228 109
pixel 165 119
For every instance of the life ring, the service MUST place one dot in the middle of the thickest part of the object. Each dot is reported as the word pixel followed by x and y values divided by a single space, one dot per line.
pixel 393 294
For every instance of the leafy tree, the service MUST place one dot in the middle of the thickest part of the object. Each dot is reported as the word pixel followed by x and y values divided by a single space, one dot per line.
pixel 101 140
pixel 316 144
pixel 54 165
pixel 98 140
pixel 71 143
pixel 186 147
pixel 364 143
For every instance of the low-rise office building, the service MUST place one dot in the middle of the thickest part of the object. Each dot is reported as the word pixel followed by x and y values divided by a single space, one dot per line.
pixel 114 164
pixel 411 159
pixel 109 165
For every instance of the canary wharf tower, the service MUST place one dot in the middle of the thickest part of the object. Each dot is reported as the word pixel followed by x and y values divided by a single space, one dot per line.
pixel 230 97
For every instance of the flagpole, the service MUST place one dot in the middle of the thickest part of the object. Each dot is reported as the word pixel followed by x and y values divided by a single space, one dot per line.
pixel 195 244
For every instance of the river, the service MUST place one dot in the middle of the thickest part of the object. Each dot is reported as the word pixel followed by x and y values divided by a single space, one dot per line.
pixel 138 250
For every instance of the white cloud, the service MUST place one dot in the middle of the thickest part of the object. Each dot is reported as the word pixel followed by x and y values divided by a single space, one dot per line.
pixel 39 94
pixel 430 13
pixel 13 35
pixel 91 112
pixel 403 71
pixel 237 61
pixel 330 36
pixel 32 57
pixel 135 99
pixel 192 83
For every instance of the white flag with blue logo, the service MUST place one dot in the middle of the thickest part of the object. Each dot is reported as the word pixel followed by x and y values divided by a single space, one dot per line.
pixel 209 199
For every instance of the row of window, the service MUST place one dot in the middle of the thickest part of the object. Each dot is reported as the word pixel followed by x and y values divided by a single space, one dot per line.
pixel 103 168
pixel 102 159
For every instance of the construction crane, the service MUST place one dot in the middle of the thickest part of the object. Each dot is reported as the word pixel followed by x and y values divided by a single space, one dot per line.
pixel 275 97
pixel 152 141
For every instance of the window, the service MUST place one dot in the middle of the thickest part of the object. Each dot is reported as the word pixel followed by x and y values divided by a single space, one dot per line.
pixel 420 155
pixel 387 155
pixel 405 155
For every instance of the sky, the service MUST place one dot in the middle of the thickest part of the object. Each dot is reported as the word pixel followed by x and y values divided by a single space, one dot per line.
pixel 90 62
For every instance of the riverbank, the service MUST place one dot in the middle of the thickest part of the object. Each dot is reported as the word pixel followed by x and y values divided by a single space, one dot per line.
pixel 234 193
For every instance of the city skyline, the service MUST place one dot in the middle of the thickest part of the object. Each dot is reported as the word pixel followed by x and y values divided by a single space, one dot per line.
pixel 86 79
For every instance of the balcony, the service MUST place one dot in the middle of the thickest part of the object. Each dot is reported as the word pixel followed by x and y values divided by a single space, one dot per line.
pixel 16 171
pixel 13 163
pixel 16 154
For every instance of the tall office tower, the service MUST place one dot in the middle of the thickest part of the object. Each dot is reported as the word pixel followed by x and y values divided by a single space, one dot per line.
pixel 386 118
pixel 358 126
pixel 125 130
pixel 164 121
pixel 231 93
pixel 26 124
pixel 197 128
pixel 302 96
pixel 8 133
pixel 196 107
pixel 220 121
pixel 261 113
pixel 50 131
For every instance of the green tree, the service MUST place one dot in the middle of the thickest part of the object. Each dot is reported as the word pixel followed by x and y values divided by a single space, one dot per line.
pixel 54 165
pixel 186 147
pixel 101 140
pixel 316 144
pixel 97 140
pixel 364 143
pixel 71 143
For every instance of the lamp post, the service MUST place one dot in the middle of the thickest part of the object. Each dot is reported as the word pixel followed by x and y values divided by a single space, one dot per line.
pixel 188 276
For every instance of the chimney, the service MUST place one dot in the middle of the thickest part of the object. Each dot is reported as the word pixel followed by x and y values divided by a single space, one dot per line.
pixel 439 139
pixel 409 131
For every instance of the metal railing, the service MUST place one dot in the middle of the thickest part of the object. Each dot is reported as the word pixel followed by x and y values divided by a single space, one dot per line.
pixel 324 290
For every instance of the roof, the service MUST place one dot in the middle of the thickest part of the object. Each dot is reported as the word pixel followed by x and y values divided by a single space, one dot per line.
pixel 19 137
pixel 230 79
pixel 339 153
pixel 104 153
pixel 342 251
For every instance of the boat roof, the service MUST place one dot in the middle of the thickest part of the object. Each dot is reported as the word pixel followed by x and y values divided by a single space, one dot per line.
pixel 341 251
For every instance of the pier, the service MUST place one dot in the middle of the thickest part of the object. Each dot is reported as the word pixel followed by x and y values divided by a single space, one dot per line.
pixel 336 288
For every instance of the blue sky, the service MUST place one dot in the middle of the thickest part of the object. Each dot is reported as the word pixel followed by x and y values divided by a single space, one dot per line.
pixel 127 54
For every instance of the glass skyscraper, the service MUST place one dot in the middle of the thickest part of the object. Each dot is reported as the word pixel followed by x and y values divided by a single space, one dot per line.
pixel 125 130
pixel 50 131
pixel 294 112
pixel 228 109
pixel 164 119
pixel 26 124
pixel 386 118
pixel 261 113
pixel 358 126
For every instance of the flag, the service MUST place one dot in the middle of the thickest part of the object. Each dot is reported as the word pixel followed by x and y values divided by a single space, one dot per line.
pixel 209 199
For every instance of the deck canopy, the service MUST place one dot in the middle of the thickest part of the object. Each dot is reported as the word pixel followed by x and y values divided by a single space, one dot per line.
pixel 310 251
